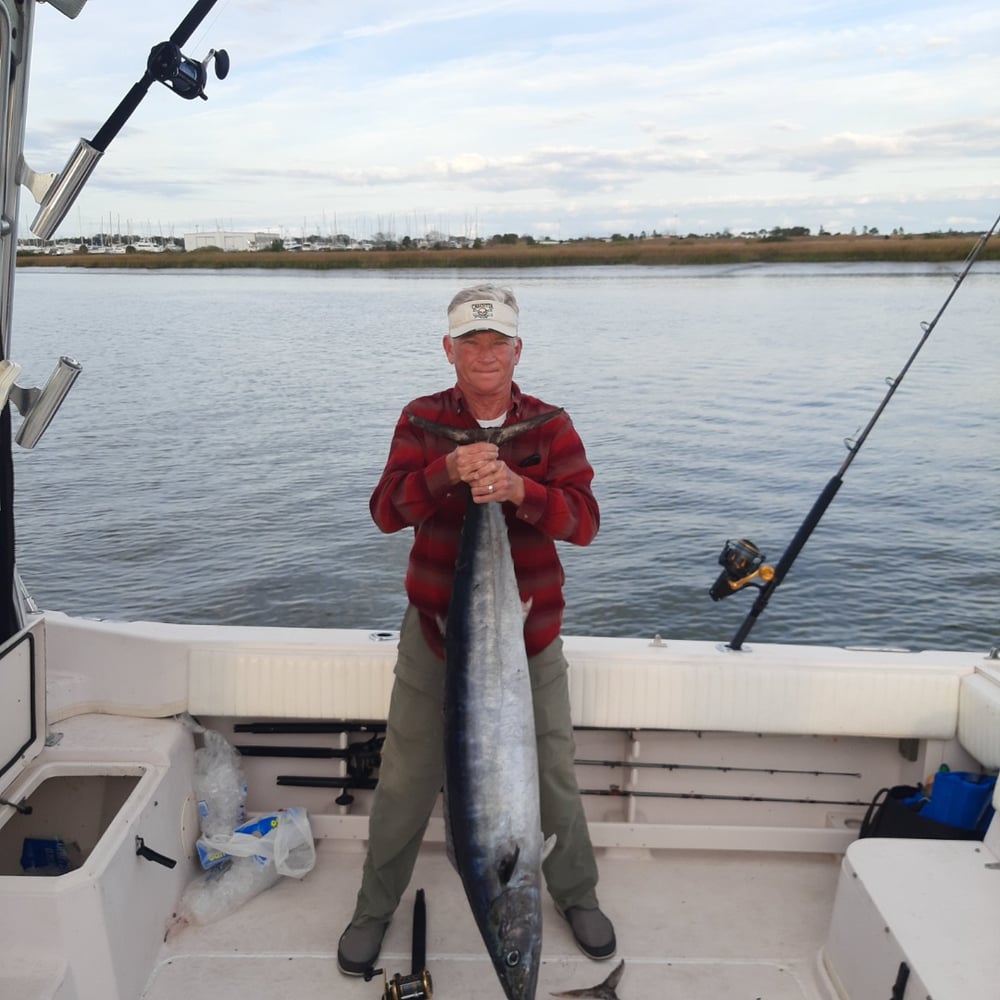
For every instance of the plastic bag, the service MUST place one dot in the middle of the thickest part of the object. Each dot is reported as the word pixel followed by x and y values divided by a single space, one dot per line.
pixel 284 838
pixel 256 856
pixel 223 890
pixel 242 858
pixel 294 847
pixel 219 785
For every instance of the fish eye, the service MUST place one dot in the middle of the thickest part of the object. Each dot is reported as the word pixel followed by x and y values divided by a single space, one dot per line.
pixel 512 959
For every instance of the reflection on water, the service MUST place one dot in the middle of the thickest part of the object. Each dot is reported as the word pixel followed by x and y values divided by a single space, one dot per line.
pixel 214 461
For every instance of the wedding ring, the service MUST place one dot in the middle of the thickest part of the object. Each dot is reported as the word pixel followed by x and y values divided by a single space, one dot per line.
pixel 489 489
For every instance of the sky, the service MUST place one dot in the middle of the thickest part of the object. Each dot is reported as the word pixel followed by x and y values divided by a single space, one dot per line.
pixel 549 119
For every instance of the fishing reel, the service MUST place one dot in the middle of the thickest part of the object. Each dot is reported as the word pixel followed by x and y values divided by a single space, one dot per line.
pixel 741 562
pixel 56 193
pixel 417 986
pixel 363 760
pixel 185 76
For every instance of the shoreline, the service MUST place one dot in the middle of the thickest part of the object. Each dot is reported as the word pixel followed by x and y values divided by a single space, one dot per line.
pixel 658 251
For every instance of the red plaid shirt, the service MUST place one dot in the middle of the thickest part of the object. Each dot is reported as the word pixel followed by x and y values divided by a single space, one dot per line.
pixel 415 491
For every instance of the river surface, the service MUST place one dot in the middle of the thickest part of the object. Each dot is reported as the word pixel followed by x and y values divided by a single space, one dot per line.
pixel 213 463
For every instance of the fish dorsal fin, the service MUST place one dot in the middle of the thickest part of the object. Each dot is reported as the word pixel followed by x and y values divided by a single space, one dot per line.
pixel 507 864
pixel 548 847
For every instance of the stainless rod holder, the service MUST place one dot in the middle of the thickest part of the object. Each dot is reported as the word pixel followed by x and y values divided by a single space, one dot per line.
pixel 63 190
pixel 39 406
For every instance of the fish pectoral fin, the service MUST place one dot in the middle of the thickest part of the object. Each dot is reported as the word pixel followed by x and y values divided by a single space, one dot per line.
pixel 602 991
pixel 449 840
pixel 507 864
pixel 548 847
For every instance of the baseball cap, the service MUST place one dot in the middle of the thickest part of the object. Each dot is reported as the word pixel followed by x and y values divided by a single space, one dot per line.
pixel 482 314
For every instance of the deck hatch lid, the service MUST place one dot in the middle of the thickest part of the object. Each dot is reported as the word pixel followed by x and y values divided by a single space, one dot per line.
pixel 22 703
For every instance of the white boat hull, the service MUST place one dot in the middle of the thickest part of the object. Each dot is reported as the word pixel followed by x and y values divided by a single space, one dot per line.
pixel 720 870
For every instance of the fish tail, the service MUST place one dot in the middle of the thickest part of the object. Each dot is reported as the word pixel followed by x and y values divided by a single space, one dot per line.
pixel 470 435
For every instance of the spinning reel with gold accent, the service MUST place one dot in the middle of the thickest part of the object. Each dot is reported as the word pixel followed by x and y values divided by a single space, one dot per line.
pixel 741 562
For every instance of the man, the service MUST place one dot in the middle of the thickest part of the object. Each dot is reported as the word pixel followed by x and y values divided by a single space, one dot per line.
pixel 542 478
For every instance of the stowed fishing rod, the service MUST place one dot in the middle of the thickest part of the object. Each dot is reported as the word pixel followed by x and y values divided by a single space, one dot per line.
pixel 167 64
pixel 743 563
pixel 617 792
pixel 721 768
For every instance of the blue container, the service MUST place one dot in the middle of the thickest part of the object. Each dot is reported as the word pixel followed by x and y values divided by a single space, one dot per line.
pixel 44 856
pixel 960 798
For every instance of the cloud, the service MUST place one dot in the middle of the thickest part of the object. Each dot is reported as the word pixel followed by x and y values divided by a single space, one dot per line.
pixel 534 111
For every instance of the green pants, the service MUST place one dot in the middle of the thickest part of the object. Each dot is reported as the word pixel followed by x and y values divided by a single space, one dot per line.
pixel 412 772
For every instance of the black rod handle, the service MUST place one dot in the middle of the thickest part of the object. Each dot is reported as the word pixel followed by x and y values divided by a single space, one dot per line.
pixel 322 753
pixel 189 25
pixel 320 781
pixel 117 119
pixel 289 728
pixel 419 934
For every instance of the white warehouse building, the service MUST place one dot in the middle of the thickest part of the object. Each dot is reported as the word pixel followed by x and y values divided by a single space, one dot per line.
pixel 229 240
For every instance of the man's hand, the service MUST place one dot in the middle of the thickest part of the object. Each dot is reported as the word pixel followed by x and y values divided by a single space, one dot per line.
pixel 488 478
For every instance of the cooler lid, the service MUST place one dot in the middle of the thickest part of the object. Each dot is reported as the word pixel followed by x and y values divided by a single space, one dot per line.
pixel 22 702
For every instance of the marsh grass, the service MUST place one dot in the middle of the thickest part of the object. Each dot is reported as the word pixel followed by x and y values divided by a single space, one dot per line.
pixel 665 251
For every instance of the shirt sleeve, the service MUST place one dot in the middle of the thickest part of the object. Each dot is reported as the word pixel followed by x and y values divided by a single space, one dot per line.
pixel 413 483
pixel 562 504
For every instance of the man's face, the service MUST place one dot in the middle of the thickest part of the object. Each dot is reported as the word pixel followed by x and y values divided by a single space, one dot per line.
pixel 484 360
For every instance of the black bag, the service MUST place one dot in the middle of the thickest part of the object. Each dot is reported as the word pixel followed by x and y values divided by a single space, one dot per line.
pixel 889 815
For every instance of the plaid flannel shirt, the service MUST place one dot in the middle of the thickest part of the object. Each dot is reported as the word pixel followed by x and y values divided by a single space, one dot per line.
pixel 415 491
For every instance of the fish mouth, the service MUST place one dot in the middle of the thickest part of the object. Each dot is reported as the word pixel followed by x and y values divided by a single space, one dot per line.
pixel 521 981
pixel 517 940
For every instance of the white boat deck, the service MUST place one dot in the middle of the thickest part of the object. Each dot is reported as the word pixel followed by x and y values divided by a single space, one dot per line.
pixel 690 924
pixel 722 862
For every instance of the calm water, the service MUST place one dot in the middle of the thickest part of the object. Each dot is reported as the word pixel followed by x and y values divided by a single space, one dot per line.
pixel 215 459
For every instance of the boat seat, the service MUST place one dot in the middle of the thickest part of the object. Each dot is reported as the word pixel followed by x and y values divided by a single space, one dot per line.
pixel 931 904
pixel 979 719
pixel 620 684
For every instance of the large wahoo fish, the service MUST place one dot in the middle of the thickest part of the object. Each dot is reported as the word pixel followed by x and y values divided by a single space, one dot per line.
pixel 491 767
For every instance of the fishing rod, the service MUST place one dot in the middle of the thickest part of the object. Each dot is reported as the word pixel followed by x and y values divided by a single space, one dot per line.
pixel 362 757
pixel 418 985
pixel 304 728
pixel 742 562
pixel 716 767
pixel 166 64
pixel 616 792
pixel 348 784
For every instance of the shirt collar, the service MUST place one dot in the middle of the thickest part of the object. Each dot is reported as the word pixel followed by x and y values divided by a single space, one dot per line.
pixel 515 400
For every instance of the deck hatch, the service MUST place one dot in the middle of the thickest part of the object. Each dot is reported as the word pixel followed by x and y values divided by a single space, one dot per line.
pixel 22 699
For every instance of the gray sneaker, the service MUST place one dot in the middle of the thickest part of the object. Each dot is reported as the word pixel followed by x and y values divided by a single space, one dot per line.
pixel 358 948
pixel 594 934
